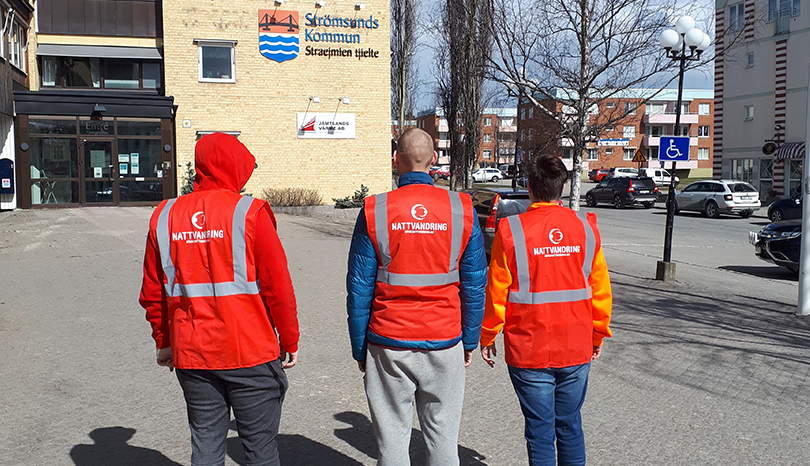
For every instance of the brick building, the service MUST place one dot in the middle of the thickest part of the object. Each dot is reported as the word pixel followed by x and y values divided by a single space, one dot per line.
pixel 305 87
pixel 618 142
pixel 498 131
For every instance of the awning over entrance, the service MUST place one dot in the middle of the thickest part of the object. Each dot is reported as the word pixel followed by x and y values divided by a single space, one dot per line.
pixel 790 150
pixel 82 103
pixel 98 51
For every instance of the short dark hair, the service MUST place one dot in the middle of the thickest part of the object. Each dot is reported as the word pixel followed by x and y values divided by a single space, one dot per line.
pixel 547 176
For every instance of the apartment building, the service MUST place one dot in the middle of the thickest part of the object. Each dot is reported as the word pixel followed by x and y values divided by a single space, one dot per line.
pixel 498 134
pixel 15 17
pixel 630 121
pixel 94 127
pixel 761 92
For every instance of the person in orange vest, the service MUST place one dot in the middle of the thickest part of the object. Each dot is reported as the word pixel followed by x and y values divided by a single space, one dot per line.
pixel 417 272
pixel 548 290
pixel 216 289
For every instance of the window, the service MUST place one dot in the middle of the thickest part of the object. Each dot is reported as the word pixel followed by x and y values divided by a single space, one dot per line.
pixel 442 122
pixel 749 112
pixel 652 153
pixel 765 177
pixel 504 136
pixel 794 179
pixel 610 104
pixel 704 109
pixel 609 151
pixel 736 17
pixel 655 109
pixel 629 132
pixel 566 154
pixel 487 121
pixel 654 131
pixel 522 135
pixel 121 74
pixel 703 131
pixel 628 154
pixel 217 61
pixel 531 138
pixel 523 113
pixel 750 61
pixel 487 154
pixel 592 154
pixel 100 73
pixel 703 153
pixel 487 137
pixel 506 122
pixel 684 131
pixel 442 136
pixel 630 108
pixel 610 128
pixel 16 45
pixel 783 8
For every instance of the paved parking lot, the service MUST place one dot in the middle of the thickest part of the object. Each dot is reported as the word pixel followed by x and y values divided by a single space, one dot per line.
pixel 711 370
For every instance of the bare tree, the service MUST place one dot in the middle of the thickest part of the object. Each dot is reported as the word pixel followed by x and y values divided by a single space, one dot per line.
pixel 403 50
pixel 462 58
pixel 578 53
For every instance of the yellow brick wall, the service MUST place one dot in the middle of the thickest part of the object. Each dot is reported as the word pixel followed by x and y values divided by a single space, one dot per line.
pixel 267 95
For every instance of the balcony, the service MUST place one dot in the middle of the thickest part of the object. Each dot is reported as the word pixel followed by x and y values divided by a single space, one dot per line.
pixel 443 144
pixel 669 118
pixel 655 141
pixel 781 21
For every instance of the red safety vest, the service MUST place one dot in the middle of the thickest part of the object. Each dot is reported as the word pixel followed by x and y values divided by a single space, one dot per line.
pixel 217 319
pixel 419 233
pixel 549 320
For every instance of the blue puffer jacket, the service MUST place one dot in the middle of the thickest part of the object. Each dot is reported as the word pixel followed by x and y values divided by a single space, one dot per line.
pixel 362 275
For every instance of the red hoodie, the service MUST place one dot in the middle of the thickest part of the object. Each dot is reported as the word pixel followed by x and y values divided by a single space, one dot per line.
pixel 219 328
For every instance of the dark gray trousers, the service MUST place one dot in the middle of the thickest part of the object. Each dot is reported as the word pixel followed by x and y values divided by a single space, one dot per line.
pixel 254 393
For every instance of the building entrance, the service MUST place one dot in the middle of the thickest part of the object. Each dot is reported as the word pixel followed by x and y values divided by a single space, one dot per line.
pixel 100 182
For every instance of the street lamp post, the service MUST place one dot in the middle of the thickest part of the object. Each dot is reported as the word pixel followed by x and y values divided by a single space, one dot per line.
pixel 684 43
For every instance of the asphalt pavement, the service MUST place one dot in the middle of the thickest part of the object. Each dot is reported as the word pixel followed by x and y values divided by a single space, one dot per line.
pixel 710 370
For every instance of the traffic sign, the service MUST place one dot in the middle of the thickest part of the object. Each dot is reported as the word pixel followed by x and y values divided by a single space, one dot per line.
pixel 674 149
pixel 639 157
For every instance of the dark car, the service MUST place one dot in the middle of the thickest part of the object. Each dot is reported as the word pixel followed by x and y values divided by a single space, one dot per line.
pixel 785 209
pixel 493 204
pixel 623 191
pixel 779 243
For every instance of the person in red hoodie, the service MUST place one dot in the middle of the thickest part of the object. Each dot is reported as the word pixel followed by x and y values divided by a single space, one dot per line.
pixel 216 289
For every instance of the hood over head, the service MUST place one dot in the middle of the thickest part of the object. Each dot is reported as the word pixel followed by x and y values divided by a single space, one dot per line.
pixel 222 162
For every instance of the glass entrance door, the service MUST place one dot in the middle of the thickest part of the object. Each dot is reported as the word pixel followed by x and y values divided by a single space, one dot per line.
pixel 100 174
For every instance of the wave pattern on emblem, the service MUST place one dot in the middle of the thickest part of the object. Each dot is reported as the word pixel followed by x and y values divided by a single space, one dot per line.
pixel 279 47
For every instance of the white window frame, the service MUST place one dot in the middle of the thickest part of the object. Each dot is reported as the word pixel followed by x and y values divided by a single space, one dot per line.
pixel 629 153
pixel 487 154
pixel 531 137
pixel 610 128
pixel 736 16
pixel 609 151
pixel 705 109
pixel 610 104
pixel 630 108
pixel 487 137
pixel 702 133
pixel 202 43
pixel 15 51
pixel 750 60
pixel 703 153
pixel 523 113
pixel 629 132
pixel 592 154
pixel 749 112
pixel 487 121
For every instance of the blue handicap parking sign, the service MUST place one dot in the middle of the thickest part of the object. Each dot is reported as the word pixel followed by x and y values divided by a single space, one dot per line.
pixel 673 149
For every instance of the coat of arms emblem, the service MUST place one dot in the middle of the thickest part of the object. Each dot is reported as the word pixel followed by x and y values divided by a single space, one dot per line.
pixel 278 34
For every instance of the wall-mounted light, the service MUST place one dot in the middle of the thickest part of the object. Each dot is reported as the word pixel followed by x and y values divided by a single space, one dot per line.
pixel 98 110
pixel 344 100
pixel 315 99
pixel 359 6
pixel 320 4
pixel 279 2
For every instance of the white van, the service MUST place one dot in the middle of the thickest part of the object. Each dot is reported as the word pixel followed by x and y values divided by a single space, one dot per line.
pixel 659 175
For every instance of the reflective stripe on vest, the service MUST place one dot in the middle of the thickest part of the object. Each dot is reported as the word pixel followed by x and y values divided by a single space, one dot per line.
pixel 428 279
pixel 239 285
pixel 524 295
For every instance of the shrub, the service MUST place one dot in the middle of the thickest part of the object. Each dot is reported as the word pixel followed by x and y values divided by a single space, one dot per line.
pixel 292 197
pixel 352 201
pixel 188 180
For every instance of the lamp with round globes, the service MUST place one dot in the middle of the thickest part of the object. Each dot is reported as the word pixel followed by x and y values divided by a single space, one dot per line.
pixel 682 44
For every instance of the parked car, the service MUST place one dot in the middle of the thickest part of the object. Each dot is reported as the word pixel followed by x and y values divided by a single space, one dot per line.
pixel 623 191
pixel 713 197
pixel 487 174
pixel 493 204
pixel 785 209
pixel 779 243
pixel 508 170
pixel 598 174
pixel 440 172
pixel 616 172
pixel 659 175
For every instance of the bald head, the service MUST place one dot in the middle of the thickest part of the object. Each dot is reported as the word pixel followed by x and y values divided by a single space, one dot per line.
pixel 414 151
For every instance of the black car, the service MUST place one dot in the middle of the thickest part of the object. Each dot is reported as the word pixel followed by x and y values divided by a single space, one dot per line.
pixel 785 209
pixel 779 243
pixel 493 204
pixel 623 191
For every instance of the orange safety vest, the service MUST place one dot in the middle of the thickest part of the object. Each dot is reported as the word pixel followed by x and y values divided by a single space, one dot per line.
pixel 217 319
pixel 419 233
pixel 549 319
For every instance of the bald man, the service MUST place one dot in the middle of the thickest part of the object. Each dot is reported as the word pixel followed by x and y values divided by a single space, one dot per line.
pixel 416 280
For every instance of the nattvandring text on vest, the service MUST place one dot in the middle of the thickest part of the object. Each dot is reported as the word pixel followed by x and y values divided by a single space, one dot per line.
pixel 416 227
pixel 202 236
pixel 551 251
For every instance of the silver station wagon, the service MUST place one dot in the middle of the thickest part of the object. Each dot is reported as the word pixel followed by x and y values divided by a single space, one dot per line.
pixel 713 197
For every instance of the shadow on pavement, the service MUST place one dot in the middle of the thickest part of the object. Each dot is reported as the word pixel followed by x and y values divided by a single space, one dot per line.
pixel 773 272
pixel 294 450
pixel 361 436
pixel 111 447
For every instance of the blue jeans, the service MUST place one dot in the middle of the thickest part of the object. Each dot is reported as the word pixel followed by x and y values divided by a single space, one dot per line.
pixel 550 400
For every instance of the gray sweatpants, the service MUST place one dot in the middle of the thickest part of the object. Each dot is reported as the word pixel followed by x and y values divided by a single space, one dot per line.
pixel 436 380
